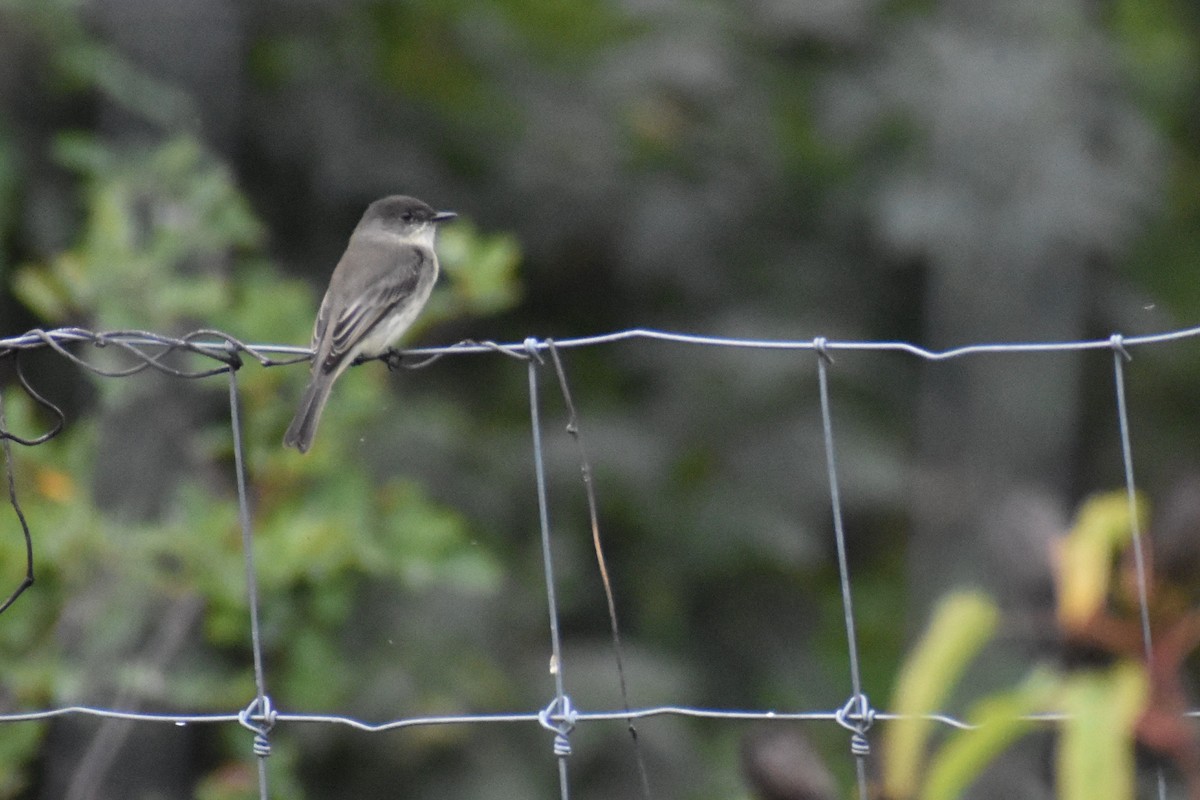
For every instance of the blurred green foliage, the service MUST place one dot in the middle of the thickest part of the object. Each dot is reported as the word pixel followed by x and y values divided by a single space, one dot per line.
pixel 1124 696
pixel 999 719
pixel 1096 753
pixel 1099 708
pixel 962 624
pixel 481 272
pixel 169 244
pixel 1159 49
pixel 1101 533
pixel 80 62
pixel 161 230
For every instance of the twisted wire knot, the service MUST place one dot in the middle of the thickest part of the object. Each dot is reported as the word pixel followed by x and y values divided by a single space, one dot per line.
pixel 821 348
pixel 559 718
pixel 857 716
pixel 259 718
pixel 533 349
pixel 1117 343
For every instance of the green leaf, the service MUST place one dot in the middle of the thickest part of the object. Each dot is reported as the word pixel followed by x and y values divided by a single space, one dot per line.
pixel 1102 529
pixel 962 624
pixel 1095 753
pixel 480 273
pixel 44 291
pixel 997 722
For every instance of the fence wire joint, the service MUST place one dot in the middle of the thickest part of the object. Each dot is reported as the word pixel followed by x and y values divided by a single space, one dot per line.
pixel 857 716
pixel 559 718
pixel 1117 343
pixel 259 717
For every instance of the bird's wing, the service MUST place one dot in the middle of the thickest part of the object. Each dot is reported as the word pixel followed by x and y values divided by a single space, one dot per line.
pixel 321 324
pixel 384 276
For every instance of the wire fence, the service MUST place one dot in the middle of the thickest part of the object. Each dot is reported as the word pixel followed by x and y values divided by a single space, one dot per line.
pixel 153 352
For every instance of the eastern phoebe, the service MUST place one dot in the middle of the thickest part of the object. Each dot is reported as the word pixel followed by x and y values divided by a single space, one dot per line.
pixel 377 289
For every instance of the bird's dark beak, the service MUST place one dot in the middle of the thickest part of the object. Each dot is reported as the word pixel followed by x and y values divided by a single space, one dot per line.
pixel 444 216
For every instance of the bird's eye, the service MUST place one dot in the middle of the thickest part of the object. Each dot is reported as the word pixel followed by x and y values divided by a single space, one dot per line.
pixel 407 216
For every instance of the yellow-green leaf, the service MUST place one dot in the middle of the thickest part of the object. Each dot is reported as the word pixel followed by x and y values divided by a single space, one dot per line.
pixel 962 624
pixel 1095 755
pixel 1102 529
pixel 998 721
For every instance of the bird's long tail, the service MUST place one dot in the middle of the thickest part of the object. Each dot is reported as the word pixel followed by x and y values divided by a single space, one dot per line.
pixel 304 425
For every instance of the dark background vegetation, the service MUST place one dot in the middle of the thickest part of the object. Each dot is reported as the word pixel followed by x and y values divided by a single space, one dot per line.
pixel 945 173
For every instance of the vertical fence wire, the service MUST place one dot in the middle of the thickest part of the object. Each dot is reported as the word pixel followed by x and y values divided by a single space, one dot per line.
pixel 558 717
pixel 257 716
pixel 1120 356
pixel 856 714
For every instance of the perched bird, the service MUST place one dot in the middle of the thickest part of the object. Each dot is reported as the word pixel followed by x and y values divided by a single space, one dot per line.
pixel 377 289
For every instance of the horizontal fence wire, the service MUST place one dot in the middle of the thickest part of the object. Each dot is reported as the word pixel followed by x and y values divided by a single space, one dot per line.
pixel 150 351
pixel 221 346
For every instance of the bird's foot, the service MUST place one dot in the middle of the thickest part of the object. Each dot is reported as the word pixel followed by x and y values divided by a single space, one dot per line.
pixel 393 358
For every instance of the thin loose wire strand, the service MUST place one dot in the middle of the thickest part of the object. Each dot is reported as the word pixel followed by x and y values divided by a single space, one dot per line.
pixel 585 469
pixel 11 480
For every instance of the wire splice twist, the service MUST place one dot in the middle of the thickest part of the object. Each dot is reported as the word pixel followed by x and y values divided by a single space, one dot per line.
pixel 559 718
pixel 857 716
pixel 1117 343
pixel 821 348
pixel 259 717
pixel 233 356
pixel 533 349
